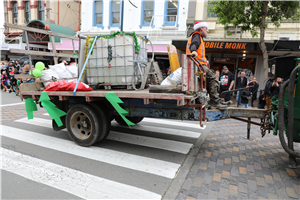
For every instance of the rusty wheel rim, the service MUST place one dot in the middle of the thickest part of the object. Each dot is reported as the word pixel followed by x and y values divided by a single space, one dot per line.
pixel 81 125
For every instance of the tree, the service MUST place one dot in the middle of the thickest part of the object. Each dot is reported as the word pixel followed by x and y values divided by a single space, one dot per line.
pixel 254 15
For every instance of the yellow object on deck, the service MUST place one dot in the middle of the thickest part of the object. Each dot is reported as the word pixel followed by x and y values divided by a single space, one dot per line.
pixel 173 58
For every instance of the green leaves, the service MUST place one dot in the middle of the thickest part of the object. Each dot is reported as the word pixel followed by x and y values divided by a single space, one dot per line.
pixel 249 14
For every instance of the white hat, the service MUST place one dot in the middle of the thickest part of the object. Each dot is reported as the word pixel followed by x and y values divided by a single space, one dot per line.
pixel 199 25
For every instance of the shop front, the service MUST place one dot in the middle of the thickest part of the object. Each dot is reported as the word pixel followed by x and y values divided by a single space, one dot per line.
pixel 242 55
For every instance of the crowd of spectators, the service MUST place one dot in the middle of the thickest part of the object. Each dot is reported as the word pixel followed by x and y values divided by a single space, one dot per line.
pixel 8 71
pixel 250 90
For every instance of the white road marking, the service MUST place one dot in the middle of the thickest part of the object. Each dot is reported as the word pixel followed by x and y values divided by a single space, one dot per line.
pixel 12 104
pixel 47 114
pixel 135 162
pixel 169 131
pixel 78 183
pixel 173 122
pixel 179 147
pixel 47 123
pixel 169 145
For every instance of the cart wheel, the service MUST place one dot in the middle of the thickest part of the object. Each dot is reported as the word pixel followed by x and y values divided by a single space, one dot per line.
pixel 135 120
pixel 84 125
pixel 103 118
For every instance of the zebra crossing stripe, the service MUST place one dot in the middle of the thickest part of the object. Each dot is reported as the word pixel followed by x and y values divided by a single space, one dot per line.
pixel 47 123
pixel 174 123
pixel 126 160
pixel 179 147
pixel 78 183
pixel 169 131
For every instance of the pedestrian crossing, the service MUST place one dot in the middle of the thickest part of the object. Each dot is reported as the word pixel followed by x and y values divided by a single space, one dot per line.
pixel 131 164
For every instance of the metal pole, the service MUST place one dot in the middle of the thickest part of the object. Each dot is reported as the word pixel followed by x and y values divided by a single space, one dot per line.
pixel 249 124
pixel 122 15
pixel 74 52
pixel 27 44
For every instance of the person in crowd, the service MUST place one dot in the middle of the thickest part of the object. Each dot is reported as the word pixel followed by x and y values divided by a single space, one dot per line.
pixel 4 81
pixel 218 74
pixel 246 94
pixel 9 68
pixel 253 90
pixel 250 80
pixel 268 90
pixel 262 100
pixel 13 82
pixel 241 82
pixel 275 87
pixel 19 81
pixel 26 68
pixel 227 82
pixel 17 67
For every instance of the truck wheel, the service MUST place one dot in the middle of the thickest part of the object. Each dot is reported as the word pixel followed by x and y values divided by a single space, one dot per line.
pixel 135 120
pixel 103 118
pixel 84 126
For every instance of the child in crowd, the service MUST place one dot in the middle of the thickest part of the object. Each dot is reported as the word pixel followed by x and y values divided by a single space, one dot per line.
pixel 4 81
pixel 262 100
pixel 246 94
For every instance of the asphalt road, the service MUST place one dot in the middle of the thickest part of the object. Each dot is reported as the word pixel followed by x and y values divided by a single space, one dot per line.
pixel 149 161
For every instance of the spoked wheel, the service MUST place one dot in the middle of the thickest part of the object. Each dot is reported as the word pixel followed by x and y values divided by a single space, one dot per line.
pixel 135 120
pixel 83 125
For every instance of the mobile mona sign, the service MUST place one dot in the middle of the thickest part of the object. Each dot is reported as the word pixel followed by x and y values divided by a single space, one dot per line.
pixel 226 45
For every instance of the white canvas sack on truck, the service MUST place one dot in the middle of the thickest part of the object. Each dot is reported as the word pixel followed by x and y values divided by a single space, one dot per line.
pixel 73 70
pixel 174 78
pixel 61 71
pixel 47 75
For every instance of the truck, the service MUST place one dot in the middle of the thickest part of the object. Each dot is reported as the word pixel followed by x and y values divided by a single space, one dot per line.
pixel 126 88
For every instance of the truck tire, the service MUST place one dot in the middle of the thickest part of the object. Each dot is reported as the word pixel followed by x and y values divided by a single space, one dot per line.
pixel 84 125
pixel 135 120
pixel 104 118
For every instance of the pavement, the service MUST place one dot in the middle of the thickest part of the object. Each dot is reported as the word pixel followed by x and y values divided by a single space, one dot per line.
pixel 228 166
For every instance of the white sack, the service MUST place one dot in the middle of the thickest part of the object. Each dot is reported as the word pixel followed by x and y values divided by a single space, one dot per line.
pixel 73 70
pixel 61 70
pixel 47 75
pixel 174 78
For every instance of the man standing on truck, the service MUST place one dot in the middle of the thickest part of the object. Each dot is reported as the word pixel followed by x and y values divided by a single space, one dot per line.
pixel 195 46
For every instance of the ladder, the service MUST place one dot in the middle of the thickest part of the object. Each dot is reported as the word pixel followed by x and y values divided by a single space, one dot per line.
pixel 153 73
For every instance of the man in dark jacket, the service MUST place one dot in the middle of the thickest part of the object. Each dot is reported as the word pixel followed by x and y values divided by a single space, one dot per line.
pixel 275 87
pixel 253 90
pixel 268 90
pixel 241 82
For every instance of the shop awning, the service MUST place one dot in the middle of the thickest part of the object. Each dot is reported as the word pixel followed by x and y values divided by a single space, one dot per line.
pixel 39 38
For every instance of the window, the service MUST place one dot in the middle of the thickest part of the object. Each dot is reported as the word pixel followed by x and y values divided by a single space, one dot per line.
pixel 27 11
pixel 41 10
pixel 115 13
pixel 15 13
pixel 171 10
pixel 210 14
pixel 147 13
pixel 98 14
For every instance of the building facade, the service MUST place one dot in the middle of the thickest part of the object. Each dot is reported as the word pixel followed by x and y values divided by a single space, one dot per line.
pixel 159 20
pixel 21 12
